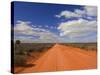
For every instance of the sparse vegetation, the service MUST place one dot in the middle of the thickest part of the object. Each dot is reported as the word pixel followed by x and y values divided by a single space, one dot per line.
pixel 23 50
pixel 19 60
pixel 85 46
pixel 19 54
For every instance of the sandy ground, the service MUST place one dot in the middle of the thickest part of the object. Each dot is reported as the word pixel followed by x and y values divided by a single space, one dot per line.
pixel 61 57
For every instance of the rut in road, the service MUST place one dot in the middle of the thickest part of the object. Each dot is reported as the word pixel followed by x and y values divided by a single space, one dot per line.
pixel 61 57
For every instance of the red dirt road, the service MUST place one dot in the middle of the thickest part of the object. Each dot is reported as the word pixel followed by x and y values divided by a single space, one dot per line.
pixel 61 57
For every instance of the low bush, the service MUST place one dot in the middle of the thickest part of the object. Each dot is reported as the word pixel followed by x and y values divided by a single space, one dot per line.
pixel 19 60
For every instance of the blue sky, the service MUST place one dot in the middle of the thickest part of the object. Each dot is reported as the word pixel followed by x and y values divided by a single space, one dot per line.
pixel 41 22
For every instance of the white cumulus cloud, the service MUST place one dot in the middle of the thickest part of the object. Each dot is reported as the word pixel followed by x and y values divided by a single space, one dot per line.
pixel 77 28
pixel 87 10
pixel 68 14
pixel 24 28
pixel 91 10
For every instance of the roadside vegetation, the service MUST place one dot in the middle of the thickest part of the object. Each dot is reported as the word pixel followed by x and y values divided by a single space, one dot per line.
pixel 85 46
pixel 24 50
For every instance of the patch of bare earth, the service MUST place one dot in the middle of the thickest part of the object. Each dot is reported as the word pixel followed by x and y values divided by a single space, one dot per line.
pixel 60 58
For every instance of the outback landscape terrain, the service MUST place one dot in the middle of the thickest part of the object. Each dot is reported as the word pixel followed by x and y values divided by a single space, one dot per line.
pixel 53 37
pixel 41 57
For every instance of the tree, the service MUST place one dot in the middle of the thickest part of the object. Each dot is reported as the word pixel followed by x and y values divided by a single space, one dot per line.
pixel 18 47
pixel 18 42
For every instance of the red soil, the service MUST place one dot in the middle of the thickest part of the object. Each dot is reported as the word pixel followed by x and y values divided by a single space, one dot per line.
pixel 61 57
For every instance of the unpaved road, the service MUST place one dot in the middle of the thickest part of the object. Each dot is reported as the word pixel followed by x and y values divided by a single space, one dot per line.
pixel 61 57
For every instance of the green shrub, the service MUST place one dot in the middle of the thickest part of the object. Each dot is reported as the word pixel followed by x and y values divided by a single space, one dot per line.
pixel 19 60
